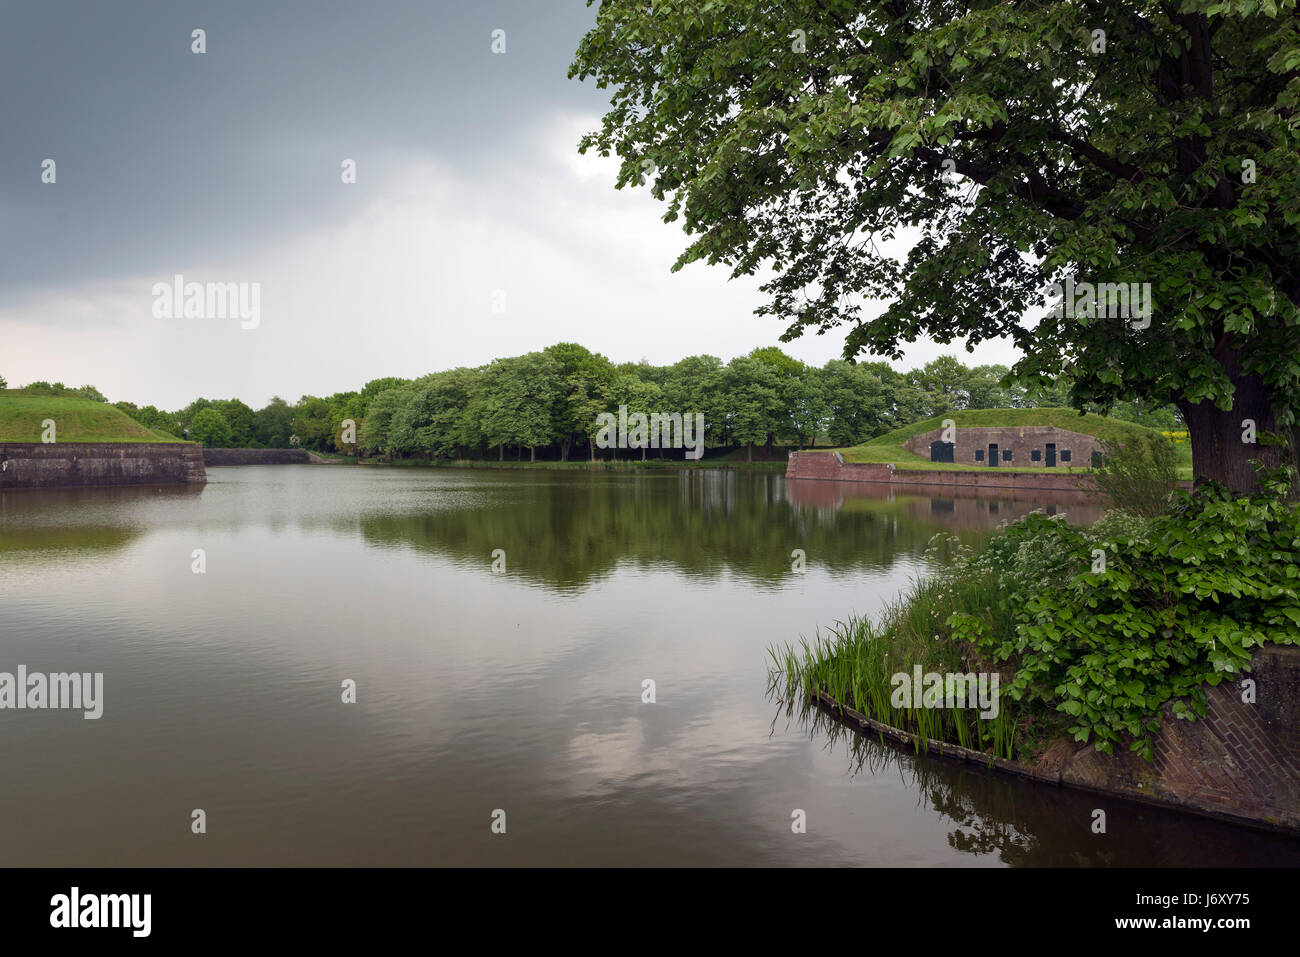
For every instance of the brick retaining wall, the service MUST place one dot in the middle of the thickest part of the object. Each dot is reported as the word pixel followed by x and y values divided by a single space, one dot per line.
pixel 71 464
pixel 1242 759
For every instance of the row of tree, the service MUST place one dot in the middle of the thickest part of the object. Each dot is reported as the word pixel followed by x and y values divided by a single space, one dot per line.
pixel 549 402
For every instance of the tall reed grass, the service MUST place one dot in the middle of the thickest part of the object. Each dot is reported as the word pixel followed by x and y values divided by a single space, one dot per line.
pixel 855 663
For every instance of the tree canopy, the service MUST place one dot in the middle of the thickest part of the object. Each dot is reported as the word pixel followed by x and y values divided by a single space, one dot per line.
pixel 953 161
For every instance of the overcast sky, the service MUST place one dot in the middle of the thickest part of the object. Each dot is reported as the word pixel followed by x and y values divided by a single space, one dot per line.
pixel 225 167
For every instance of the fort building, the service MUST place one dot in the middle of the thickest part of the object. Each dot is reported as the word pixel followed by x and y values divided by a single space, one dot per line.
pixel 1036 446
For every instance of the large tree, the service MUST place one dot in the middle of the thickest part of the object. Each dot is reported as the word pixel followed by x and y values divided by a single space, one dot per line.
pixel 752 391
pixel 210 428
pixel 1006 146
pixel 585 386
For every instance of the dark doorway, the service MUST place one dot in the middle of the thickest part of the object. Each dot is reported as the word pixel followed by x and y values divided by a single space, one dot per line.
pixel 993 454
pixel 1051 455
pixel 942 451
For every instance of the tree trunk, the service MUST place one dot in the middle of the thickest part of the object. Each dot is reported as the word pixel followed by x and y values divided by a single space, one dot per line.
pixel 501 452
pixel 564 450
pixel 532 453
pixel 591 447
pixel 749 452
pixel 1222 446
pixel 643 453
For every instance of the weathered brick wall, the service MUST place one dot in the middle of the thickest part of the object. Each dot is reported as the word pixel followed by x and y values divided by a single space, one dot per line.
pixel 1021 440
pixel 1241 760
pixel 829 465
pixel 69 464
pixel 255 456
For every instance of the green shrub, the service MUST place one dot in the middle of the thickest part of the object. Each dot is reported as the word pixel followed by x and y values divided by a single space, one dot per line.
pixel 1131 615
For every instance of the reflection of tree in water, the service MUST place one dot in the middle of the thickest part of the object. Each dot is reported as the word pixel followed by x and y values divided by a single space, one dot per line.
pixel 1027 824
pixel 571 530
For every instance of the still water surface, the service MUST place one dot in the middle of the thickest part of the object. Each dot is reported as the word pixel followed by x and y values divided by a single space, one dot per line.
pixel 479 691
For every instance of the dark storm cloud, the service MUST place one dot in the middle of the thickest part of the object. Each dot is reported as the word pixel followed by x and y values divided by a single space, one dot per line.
pixel 166 157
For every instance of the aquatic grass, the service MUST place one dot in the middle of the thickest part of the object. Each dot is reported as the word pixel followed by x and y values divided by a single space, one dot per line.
pixel 855 661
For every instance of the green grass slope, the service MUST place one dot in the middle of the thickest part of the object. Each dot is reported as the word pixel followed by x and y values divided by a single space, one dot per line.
pixel 75 420
pixel 889 447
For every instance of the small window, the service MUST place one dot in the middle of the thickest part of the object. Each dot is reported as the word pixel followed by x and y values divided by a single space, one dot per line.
pixel 1006 455
pixel 979 455
pixel 1036 455
pixel 1096 460
pixel 1065 455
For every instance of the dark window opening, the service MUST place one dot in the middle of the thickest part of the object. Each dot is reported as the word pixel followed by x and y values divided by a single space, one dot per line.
pixel 1096 460
pixel 979 455
pixel 1036 455
pixel 1065 455
pixel 1006 455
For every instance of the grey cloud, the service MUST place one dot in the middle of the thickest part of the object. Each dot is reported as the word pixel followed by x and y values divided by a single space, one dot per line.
pixel 165 157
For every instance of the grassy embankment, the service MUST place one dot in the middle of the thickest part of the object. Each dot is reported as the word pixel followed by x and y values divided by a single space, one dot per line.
pixel 888 448
pixel 75 420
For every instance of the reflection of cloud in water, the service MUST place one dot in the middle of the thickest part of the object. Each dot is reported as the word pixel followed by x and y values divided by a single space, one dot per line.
pixel 479 691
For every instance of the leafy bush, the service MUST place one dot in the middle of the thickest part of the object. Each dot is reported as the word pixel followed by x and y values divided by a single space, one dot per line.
pixel 1131 615
pixel 1140 474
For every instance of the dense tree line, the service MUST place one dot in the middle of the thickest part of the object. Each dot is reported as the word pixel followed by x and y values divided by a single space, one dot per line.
pixel 547 403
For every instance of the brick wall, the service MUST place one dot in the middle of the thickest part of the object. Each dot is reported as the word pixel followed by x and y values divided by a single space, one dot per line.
pixel 1021 441
pixel 213 457
pixel 69 464
pixel 1240 760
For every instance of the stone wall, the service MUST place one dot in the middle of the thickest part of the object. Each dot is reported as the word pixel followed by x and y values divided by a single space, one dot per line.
pixel 70 464
pixel 213 457
pixel 1021 441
